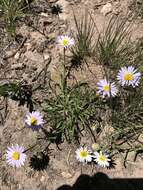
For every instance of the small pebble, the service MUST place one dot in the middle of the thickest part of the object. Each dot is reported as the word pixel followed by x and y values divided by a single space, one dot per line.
pixel 106 9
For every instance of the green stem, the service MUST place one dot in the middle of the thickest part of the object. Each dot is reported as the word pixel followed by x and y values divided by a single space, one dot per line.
pixel 64 85
pixel 64 77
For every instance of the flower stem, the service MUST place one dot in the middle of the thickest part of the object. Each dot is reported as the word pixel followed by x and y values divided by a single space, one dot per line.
pixel 64 72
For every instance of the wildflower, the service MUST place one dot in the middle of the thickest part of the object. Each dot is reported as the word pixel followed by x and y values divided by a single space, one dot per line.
pixel 15 156
pixel 102 159
pixel 106 89
pixel 129 76
pixel 34 120
pixel 83 155
pixel 65 41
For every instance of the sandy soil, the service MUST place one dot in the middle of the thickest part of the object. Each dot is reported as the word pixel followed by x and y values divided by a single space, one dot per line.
pixel 33 58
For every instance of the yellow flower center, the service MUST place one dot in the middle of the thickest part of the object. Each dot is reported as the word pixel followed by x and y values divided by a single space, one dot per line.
pixel 83 154
pixel 128 76
pixel 33 121
pixel 102 158
pixel 16 156
pixel 65 42
pixel 106 88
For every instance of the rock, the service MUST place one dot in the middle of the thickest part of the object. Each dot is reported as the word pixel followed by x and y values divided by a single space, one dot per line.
pixel 46 56
pixel 44 14
pixel 66 175
pixel 17 55
pixel 106 9
pixel 42 179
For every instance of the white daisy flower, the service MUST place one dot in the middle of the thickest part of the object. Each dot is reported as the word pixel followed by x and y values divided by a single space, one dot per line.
pixel 34 120
pixel 83 155
pixel 102 159
pixel 106 89
pixel 65 41
pixel 15 156
pixel 129 76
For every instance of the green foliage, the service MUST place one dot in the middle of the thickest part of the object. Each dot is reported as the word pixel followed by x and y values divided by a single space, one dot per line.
pixel 137 54
pixel 69 112
pixel 11 10
pixel 127 121
pixel 8 89
pixel 84 37
pixel 123 128
pixel 113 46
pixel 130 111
pixel 125 112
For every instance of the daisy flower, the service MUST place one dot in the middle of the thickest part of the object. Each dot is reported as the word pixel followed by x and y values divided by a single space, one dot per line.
pixel 65 41
pixel 102 159
pixel 105 88
pixel 128 76
pixel 34 120
pixel 15 156
pixel 83 155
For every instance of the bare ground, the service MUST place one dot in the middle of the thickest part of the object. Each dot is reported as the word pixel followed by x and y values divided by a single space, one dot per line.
pixel 30 60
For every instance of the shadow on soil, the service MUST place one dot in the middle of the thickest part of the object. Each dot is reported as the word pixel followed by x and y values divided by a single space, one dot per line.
pixel 39 161
pixel 100 181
